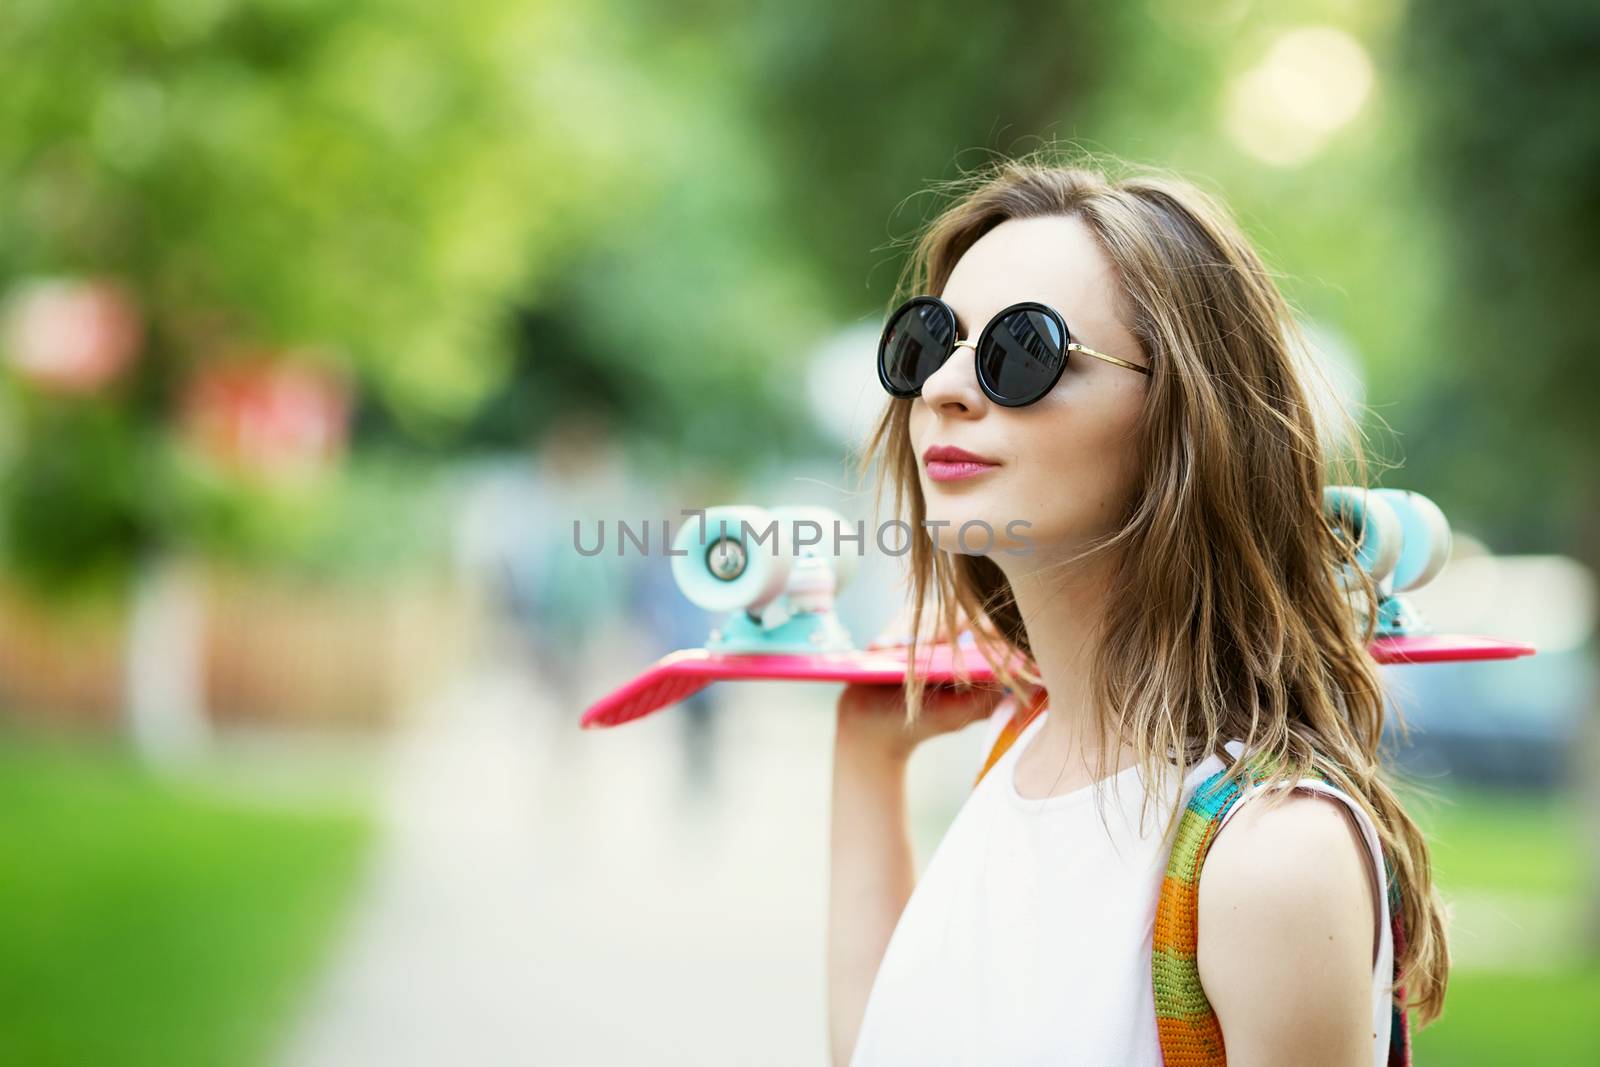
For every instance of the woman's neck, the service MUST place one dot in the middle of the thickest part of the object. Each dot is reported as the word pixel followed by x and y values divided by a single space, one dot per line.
pixel 1063 610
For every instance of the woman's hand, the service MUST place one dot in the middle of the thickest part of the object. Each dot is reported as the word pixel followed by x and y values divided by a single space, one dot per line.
pixel 872 717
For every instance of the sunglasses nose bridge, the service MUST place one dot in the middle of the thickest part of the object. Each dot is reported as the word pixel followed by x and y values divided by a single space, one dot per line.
pixel 945 388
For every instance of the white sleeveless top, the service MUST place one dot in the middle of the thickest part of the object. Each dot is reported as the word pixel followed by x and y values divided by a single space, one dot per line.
pixel 1027 938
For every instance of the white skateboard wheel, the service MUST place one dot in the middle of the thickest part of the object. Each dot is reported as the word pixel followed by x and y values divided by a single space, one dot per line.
pixel 734 560
pixel 1425 537
pixel 1371 523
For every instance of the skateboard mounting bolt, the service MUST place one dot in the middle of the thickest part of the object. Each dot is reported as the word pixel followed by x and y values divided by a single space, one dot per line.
pixel 725 559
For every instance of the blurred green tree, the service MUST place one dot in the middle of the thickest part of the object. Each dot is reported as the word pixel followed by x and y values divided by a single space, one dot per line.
pixel 1512 164
pixel 223 218
pixel 359 187
pixel 1509 423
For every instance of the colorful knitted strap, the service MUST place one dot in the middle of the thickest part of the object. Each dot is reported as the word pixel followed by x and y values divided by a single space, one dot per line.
pixel 1188 1031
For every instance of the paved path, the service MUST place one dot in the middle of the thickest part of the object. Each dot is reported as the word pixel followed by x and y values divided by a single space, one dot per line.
pixel 545 895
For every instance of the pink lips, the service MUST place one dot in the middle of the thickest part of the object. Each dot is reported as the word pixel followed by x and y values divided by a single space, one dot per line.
pixel 946 463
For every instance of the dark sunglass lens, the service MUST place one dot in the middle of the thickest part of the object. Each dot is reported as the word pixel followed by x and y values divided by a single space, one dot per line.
pixel 915 344
pixel 1022 356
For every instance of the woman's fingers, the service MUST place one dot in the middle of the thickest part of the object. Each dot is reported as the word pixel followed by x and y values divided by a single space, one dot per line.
pixel 975 702
pixel 879 710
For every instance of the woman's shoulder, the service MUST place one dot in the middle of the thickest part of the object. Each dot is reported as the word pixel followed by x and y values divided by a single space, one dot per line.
pixel 1309 841
pixel 1286 920
pixel 1303 841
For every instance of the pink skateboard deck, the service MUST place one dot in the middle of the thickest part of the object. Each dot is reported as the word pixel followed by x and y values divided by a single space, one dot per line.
pixel 686 672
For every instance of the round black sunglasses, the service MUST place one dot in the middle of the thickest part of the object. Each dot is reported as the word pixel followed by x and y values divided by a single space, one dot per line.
pixel 1021 353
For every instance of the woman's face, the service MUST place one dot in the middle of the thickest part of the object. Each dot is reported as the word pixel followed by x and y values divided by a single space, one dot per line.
pixel 1063 465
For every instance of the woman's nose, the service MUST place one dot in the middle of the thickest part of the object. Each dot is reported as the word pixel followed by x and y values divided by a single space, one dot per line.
pixel 953 388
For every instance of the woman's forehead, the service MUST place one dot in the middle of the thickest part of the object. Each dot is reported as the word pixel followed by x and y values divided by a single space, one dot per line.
pixel 1054 260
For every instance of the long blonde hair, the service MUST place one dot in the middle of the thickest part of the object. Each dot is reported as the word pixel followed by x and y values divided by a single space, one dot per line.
pixel 1225 616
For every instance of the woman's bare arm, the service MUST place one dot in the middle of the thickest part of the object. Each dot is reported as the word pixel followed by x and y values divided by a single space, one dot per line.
pixel 872 869
pixel 870 879
pixel 1287 917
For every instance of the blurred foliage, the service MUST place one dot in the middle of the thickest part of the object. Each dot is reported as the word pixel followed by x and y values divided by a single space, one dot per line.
pixel 80 493
pixel 865 104
pixel 373 176
pixel 1512 145
pixel 367 183
pixel 496 215
pixel 148 921
pixel 1341 227
pixel 377 513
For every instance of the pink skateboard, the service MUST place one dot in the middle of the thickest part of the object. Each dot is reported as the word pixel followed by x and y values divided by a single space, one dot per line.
pixel 783 625
pixel 684 673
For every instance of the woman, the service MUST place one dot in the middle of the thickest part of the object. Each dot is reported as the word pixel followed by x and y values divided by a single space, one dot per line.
pixel 1138 462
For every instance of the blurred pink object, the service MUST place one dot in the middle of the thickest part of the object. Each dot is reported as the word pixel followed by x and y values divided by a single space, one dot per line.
pixel 683 673
pixel 280 418
pixel 71 335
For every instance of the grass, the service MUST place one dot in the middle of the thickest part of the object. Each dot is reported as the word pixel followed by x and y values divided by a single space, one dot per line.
pixel 1503 842
pixel 1498 1018
pixel 148 921
pixel 1525 848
